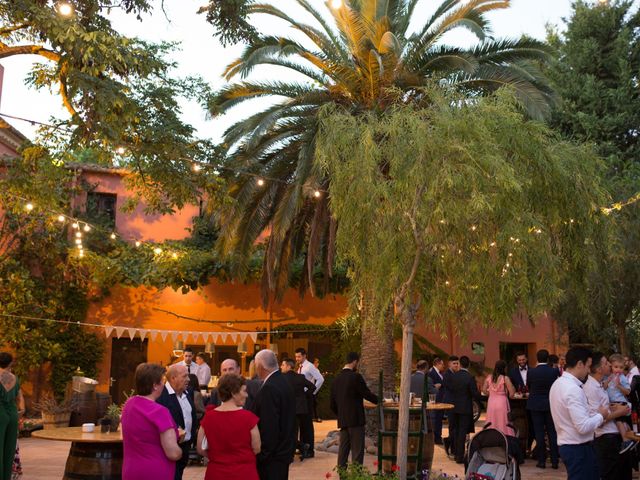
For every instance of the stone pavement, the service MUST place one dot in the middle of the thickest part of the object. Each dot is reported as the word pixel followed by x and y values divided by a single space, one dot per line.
pixel 45 460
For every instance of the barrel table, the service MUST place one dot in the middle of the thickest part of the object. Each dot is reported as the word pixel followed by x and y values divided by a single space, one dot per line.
pixel 93 456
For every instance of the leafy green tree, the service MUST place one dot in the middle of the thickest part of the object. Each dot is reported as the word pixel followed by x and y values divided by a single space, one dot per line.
pixel 457 212
pixel 351 56
pixel 597 77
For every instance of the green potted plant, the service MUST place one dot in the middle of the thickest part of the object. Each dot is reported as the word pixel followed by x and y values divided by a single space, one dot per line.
pixel 113 413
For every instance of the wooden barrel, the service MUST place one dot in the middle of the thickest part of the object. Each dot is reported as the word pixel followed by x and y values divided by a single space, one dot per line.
pixel 390 420
pixel 103 400
pixel 86 408
pixel 57 420
pixel 94 461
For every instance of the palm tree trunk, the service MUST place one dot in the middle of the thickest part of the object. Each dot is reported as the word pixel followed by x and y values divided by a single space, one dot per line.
pixel 377 354
pixel 408 320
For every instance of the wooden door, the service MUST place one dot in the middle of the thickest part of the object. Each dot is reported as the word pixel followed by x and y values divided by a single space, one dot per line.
pixel 126 355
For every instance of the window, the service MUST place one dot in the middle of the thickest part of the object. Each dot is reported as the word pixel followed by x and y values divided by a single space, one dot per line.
pixel 101 208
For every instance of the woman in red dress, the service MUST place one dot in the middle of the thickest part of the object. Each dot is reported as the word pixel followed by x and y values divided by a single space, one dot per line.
pixel 229 435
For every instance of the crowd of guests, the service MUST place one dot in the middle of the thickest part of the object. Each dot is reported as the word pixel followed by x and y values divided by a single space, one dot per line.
pixel 246 429
pixel 578 408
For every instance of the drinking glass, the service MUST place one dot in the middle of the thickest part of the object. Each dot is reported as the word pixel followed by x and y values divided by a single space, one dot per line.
pixel 432 398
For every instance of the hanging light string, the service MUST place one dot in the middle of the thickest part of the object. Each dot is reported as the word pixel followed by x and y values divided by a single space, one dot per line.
pixel 97 325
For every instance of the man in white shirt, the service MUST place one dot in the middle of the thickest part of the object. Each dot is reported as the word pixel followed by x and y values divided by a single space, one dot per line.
pixel 179 402
pixel 308 369
pixel 187 361
pixel 574 422
pixel 633 370
pixel 608 440
pixel 204 371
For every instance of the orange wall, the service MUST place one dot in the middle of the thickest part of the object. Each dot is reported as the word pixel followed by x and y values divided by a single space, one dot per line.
pixel 138 225
pixel 135 307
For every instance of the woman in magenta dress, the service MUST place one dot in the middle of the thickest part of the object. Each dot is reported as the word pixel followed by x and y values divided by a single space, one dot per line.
pixel 229 435
pixel 499 389
pixel 149 434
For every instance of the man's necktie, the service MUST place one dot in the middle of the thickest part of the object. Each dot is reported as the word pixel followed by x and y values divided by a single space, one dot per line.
pixel 300 369
pixel 189 369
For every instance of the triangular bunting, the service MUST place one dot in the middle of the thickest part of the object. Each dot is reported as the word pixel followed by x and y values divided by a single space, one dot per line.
pixel 243 337
pixel 132 332
pixel 174 336
pixel 120 331
pixel 195 336
pixel 224 337
pixel 163 334
pixel 143 333
pixel 107 330
pixel 185 336
pixel 153 334
pixel 254 336
pixel 234 337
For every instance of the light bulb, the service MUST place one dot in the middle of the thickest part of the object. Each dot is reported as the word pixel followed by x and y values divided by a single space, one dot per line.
pixel 61 218
pixel 157 250
pixel 317 194
pixel 174 255
pixel 79 247
pixel 81 254
pixel 196 167
pixel 137 243
pixel 120 150
pixel 78 241
pixel 29 207
pixel 112 236
pixel 65 9
pixel 87 228
pixel 260 182
pixel 75 225
pixel 78 234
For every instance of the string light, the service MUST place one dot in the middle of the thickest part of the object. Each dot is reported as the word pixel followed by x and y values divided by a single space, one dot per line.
pixel 65 9
pixel 78 234
pixel 174 255
pixel 87 228
pixel 120 150
pixel 112 236
pixel 75 225
pixel 29 206
pixel 157 250
pixel 137 243
pixel 61 218
pixel 78 241
pixel 317 194
pixel 196 167
pixel 260 182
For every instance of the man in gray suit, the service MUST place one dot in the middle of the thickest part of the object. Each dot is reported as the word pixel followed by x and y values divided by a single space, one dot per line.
pixel 418 378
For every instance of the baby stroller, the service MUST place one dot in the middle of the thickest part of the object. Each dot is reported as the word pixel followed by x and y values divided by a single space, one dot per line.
pixel 492 456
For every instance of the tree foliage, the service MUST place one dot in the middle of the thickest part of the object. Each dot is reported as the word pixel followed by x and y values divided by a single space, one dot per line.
pixel 597 77
pixel 350 56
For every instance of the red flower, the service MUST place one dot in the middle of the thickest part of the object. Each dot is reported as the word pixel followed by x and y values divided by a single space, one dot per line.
pixel 327 475
pixel 395 468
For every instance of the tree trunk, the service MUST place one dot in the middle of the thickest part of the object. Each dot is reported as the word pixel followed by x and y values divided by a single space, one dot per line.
pixel 623 340
pixel 408 324
pixel 377 354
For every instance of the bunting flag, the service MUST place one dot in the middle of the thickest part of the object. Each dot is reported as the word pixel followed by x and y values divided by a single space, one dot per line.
pixel 206 337
pixel 163 334
pixel 223 336
pixel 185 337
pixel 120 331
pixel 107 330
pixel 254 336
pixel 153 334
pixel 143 333
pixel 174 336
pixel 234 337
pixel 132 332
pixel 195 336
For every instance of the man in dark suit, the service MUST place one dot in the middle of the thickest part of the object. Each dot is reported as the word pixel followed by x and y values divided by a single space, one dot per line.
pixel 347 392
pixel 179 400
pixel 418 379
pixel 303 391
pixel 518 374
pixel 275 407
pixel 435 374
pixel 463 389
pixel 539 381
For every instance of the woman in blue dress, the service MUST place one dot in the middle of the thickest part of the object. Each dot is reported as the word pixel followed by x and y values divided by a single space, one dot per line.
pixel 10 397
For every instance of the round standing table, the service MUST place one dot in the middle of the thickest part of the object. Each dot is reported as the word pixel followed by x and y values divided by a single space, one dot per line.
pixel 93 456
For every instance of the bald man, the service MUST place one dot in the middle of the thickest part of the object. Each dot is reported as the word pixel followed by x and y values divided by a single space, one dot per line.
pixel 275 406
pixel 179 401
pixel 228 365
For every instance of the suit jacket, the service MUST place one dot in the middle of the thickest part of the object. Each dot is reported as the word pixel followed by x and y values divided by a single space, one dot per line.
pixel 539 381
pixel 302 389
pixel 275 407
pixel 253 386
pixel 171 402
pixel 347 392
pixel 516 378
pixel 417 384
pixel 463 389
pixel 435 379
pixel 446 381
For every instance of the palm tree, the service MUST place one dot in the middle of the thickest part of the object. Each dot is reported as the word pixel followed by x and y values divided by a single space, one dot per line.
pixel 363 55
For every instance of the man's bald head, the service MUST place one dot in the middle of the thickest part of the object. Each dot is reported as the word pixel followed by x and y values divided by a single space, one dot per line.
pixel 266 362
pixel 178 378
pixel 229 365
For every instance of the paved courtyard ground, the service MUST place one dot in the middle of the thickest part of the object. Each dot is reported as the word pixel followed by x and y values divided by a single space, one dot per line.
pixel 45 460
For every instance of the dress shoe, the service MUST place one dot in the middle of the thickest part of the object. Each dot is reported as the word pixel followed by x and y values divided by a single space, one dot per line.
pixel 540 465
pixel 309 455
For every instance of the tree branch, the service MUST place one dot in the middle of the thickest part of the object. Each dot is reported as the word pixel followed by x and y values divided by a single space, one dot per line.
pixel 14 28
pixel 411 216
pixel 6 51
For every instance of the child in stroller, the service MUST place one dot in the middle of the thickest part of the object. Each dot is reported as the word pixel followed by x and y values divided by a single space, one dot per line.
pixel 492 455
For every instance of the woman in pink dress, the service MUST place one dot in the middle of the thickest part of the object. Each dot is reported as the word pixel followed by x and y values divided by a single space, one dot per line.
pixel 149 434
pixel 499 389
pixel 229 435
